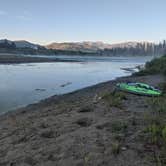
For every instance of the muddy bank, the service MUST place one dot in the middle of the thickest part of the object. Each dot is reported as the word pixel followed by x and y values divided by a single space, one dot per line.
pixel 89 127
pixel 14 59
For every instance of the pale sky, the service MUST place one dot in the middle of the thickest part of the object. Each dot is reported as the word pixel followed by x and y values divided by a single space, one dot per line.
pixel 112 21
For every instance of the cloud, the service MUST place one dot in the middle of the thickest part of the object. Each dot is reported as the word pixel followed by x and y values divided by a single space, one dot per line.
pixel 2 13
pixel 25 16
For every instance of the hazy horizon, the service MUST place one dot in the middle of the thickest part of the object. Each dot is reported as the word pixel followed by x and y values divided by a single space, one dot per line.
pixel 111 43
pixel 109 21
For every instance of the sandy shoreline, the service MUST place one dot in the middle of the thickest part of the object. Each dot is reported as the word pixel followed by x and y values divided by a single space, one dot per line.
pixel 78 129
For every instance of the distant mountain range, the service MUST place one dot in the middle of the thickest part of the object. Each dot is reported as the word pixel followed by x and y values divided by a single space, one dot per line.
pixel 91 46
pixel 99 48
pixel 74 46
pixel 120 49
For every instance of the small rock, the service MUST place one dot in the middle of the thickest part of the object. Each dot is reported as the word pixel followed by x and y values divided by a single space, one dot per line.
pixel 96 98
pixel 123 148
pixel 47 134
pixel 86 109
pixel 84 122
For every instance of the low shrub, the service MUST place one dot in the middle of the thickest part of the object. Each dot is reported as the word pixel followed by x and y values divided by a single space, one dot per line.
pixel 114 99
pixel 155 66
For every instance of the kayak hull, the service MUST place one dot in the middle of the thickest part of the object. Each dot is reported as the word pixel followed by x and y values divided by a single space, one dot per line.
pixel 139 89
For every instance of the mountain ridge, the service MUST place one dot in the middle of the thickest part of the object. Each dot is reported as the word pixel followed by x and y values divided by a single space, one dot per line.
pixel 21 43
pixel 75 46
pixel 132 48
pixel 94 46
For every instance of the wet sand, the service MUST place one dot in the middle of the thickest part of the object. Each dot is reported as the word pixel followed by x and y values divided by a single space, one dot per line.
pixel 82 128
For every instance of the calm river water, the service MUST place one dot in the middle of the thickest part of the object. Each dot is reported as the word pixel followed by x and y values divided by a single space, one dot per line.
pixel 24 84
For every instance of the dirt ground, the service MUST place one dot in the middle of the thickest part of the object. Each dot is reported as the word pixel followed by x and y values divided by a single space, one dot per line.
pixel 88 127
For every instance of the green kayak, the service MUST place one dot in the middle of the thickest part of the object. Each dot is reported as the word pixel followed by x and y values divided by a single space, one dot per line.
pixel 139 88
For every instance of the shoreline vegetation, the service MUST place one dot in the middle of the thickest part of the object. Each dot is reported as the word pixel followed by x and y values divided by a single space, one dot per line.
pixel 90 127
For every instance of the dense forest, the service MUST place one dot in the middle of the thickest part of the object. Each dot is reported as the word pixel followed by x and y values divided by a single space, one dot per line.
pixel 139 49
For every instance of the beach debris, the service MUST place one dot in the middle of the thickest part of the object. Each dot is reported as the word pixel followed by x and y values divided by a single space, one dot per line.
pixel 130 70
pixel 96 98
pixel 38 89
pixel 66 84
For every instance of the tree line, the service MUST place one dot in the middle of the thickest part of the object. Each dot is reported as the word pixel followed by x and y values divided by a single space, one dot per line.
pixel 139 49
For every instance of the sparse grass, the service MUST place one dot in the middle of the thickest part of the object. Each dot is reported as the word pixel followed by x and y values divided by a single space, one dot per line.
pixel 162 86
pixel 116 148
pixel 118 126
pixel 158 105
pixel 86 159
pixel 119 137
pixel 154 131
pixel 119 130
pixel 156 128
pixel 115 99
